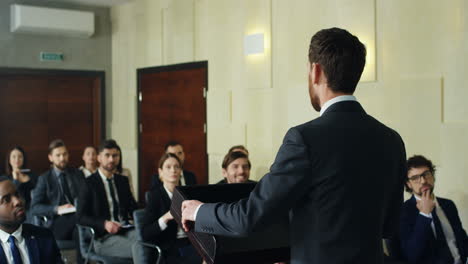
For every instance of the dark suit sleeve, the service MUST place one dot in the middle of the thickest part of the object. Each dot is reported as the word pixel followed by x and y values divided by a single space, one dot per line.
pixel 277 192
pixel 415 236
pixel 85 210
pixel 153 211
pixel 40 204
pixel 395 199
pixel 132 204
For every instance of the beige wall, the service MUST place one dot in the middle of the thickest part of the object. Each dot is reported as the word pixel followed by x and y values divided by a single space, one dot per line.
pixel 420 74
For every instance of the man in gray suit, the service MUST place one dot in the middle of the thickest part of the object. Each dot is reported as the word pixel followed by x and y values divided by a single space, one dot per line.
pixel 340 175
pixel 56 191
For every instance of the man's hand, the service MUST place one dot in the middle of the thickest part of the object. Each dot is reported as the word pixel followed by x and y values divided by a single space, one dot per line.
pixel 426 204
pixel 188 213
pixel 112 227
pixel 62 207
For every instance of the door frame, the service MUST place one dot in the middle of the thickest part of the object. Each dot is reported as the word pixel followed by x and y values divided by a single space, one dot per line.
pixel 166 68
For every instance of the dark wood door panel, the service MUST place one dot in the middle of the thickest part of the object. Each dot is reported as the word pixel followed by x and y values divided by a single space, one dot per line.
pixel 173 108
pixel 37 106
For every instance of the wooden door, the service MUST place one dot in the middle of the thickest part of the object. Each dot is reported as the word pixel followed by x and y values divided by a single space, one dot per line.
pixel 38 106
pixel 172 106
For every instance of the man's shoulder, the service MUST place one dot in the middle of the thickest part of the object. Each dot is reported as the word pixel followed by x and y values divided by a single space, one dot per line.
pixel 445 202
pixel 46 173
pixel 37 231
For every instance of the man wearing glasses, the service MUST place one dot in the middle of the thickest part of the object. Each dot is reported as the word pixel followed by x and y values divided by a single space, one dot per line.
pixel 430 228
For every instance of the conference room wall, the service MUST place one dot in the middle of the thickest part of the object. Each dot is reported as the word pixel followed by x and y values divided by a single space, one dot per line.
pixel 419 87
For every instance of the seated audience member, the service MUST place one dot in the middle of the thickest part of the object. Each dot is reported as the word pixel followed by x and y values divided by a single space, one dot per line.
pixel 430 228
pixel 20 242
pixel 106 204
pixel 236 168
pixel 240 148
pixel 90 161
pixel 17 172
pixel 187 177
pixel 55 193
pixel 159 227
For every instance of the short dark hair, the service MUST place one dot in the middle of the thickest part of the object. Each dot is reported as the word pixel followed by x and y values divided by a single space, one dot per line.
pixel 108 144
pixel 171 143
pixel 238 147
pixel 8 168
pixel 167 156
pixel 342 57
pixel 418 161
pixel 232 156
pixel 56 143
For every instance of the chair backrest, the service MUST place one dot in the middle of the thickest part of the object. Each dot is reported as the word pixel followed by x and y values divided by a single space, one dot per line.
pixel 138 219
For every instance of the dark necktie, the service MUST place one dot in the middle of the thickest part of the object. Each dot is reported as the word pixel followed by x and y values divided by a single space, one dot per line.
pixel 14 251
pixel 114 200
pixel 66 198
pixel 443 254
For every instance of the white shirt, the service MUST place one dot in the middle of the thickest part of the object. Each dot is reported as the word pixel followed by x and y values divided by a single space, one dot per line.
pixel 337 99
pixel 446 228
pixel 20 244
pixel 108 195
pixel 182 179
pixel 163 225
pixel 85 171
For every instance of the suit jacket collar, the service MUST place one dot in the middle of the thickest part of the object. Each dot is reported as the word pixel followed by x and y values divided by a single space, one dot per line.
pixel 31 243
pixel 345 106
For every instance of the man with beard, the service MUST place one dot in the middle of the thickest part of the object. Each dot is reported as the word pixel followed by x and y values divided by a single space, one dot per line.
pixel 22 243
pixel 56 191
pixel 106 204
pixel 430 228
pixel 322 171
pixel 236 168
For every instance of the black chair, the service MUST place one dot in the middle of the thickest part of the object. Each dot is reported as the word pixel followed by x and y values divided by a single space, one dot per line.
pixel 87 237
pixel 43 221
pixel 145 249
pixel 394 252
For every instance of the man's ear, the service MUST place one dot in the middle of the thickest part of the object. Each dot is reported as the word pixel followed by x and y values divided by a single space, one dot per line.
pixel 224 173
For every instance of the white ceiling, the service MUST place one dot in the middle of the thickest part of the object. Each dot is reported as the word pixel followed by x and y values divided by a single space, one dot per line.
pixel 96 2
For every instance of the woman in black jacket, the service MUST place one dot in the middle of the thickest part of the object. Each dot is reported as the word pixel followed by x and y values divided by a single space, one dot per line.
pixel 159 226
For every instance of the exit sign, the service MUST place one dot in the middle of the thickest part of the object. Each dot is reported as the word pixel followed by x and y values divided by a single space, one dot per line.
pixel 51 56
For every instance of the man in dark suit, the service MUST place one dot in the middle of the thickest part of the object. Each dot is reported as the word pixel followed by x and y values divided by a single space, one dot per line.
pixel 236 168
pixel 55 193
pixel 430 229
pixel 19 242
pixel 188 178
pixel 340 176
pixel 106 204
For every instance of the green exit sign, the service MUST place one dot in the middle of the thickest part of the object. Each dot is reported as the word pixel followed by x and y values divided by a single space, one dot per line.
pixel 51 56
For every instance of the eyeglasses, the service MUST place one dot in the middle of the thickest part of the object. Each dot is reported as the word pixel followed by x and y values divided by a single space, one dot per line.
pixel 417 178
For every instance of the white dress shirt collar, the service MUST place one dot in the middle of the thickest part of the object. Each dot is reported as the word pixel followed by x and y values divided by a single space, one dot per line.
pixel 337 99
pixel 103 177
pixel 18 234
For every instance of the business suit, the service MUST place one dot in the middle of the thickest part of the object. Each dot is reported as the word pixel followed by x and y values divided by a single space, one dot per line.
pixel 158 204
pixel 417 238
pixel 341 178
pixel 189 178
pixel 47 196
pixel 41 245
pixel 93 208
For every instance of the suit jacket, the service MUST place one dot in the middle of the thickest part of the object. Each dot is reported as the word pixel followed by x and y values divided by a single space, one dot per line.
pixel 189 178
pixel 41 244
pixel 93 208
pixel 341 178
pixel 158 204
pixel 417 237
pixel 46 195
